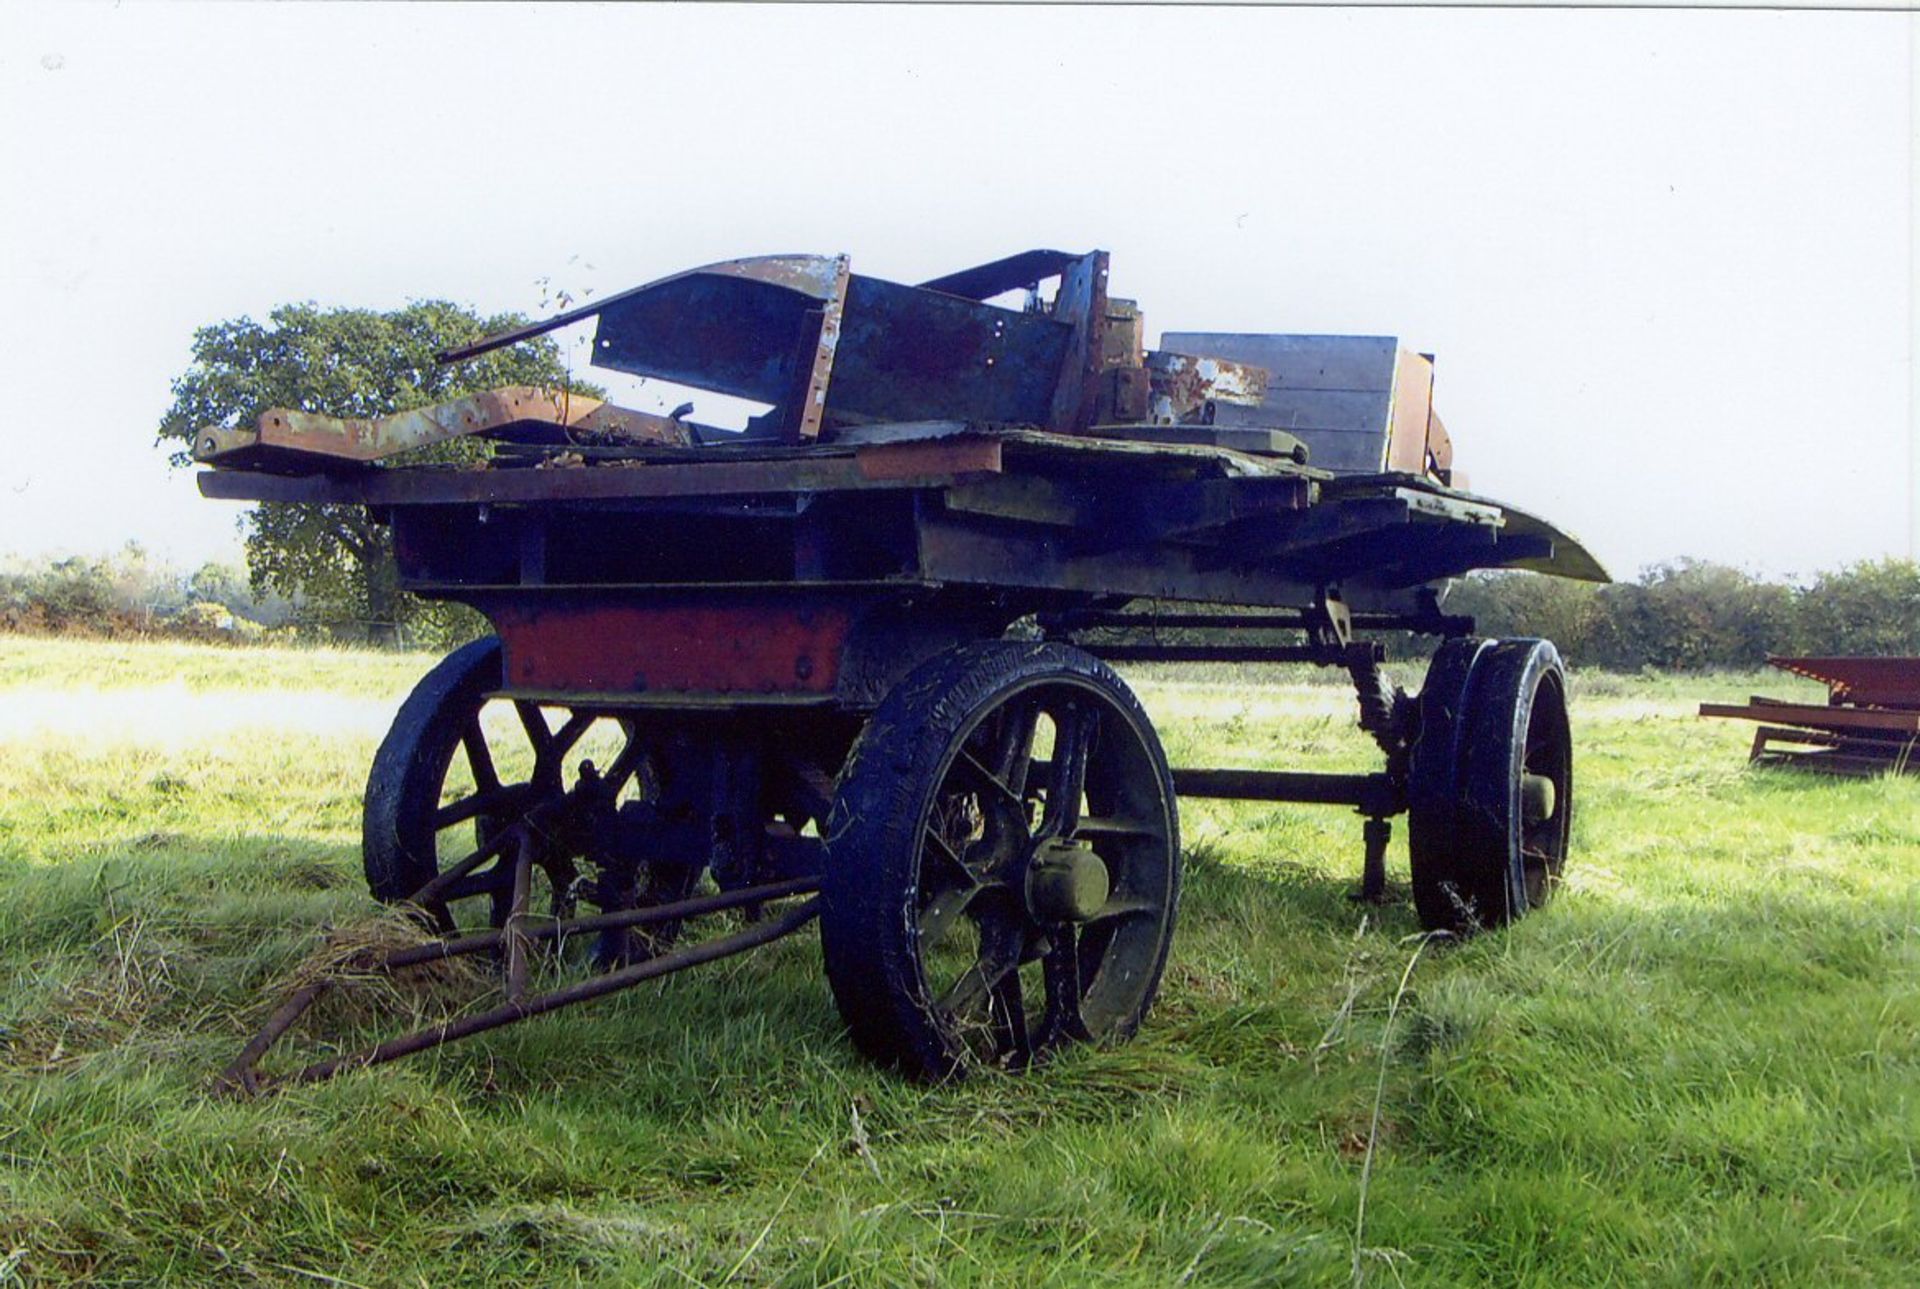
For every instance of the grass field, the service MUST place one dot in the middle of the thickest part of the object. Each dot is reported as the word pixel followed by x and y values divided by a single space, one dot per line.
pixel 1700 1066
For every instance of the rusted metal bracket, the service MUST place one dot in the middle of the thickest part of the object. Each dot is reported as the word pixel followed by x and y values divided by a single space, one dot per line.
pixel 1081 304
pixel 813 399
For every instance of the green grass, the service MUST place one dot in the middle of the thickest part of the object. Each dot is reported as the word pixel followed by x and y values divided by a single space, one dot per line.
pixel 1699 1067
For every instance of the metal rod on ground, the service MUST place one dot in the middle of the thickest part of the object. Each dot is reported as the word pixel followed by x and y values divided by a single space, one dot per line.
pixel 485 941
pixel 238 1077
pixel 420 1040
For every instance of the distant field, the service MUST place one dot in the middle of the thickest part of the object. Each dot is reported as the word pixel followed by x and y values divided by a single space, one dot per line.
pixel 1701 1066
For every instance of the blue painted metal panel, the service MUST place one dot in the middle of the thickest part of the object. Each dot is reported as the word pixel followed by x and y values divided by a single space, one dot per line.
pixel 908 354
pixel 1334 393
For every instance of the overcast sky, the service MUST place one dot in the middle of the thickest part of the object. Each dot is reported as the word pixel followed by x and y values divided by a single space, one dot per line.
pixel 1663 257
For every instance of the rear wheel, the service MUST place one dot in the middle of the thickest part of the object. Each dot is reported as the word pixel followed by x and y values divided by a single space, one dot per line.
pixel 1003 863
pixel 459 767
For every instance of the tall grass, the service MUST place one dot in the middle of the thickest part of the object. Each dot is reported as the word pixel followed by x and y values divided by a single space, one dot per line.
pixel 1700 1066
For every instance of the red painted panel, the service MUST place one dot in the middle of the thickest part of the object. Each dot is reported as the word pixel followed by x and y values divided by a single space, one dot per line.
pixel 697 649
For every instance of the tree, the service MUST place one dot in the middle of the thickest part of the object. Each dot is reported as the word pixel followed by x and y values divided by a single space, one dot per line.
pixel 221 584
pixel 1691 614
pixel 74 593
pixel 352 363
pixel 1508 603
pixel 229 586
pixel 1868 608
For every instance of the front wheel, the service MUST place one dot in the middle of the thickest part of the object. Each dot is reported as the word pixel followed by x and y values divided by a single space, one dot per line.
pixel 1490 783
pixel 1003 863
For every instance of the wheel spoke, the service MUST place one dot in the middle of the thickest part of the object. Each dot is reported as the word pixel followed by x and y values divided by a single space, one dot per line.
pixel 1067 772
pixel 534 721
pixel 942 911
pixel 632 752
pixel 496 801
pixel 479 757
pixel 433 890
pixel 1092 826
pixel 1000 945
pixel 1009 1010
pixel 983 777
pixel 550 748
pixel 948 858
pixel 971 989
pixel 1013 749
pixel 570 733
pixel 1060 968
pixel 1117 908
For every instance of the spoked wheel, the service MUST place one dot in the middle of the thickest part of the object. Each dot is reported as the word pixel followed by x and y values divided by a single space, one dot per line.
pixel 1003 863
pixel 460 773
pixel 1490 783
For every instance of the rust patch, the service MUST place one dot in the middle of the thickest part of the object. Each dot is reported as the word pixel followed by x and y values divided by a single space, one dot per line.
pixel 932 459
pixel 1184 386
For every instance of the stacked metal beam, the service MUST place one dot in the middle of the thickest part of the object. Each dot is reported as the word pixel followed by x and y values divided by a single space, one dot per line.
pixel 1870 724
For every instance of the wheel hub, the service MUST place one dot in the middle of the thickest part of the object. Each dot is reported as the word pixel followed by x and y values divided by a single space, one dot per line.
pixel 1066 881
pixel 1537 798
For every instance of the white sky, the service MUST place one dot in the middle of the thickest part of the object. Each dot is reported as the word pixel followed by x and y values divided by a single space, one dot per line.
pixel 1663 257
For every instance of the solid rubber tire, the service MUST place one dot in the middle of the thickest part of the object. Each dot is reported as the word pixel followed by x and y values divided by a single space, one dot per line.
pixel 1509 683
pixel 868 922
pixel 1433 779
pixel 397 844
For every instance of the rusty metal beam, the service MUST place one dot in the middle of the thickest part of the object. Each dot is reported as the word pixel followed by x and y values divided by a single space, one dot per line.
pixel 958 458
pixel 1426 622
pixel 650 915
pixel 1216 653
pixel 289 436
pixel 607 643
pixel 1081 305
pixel 1854 719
